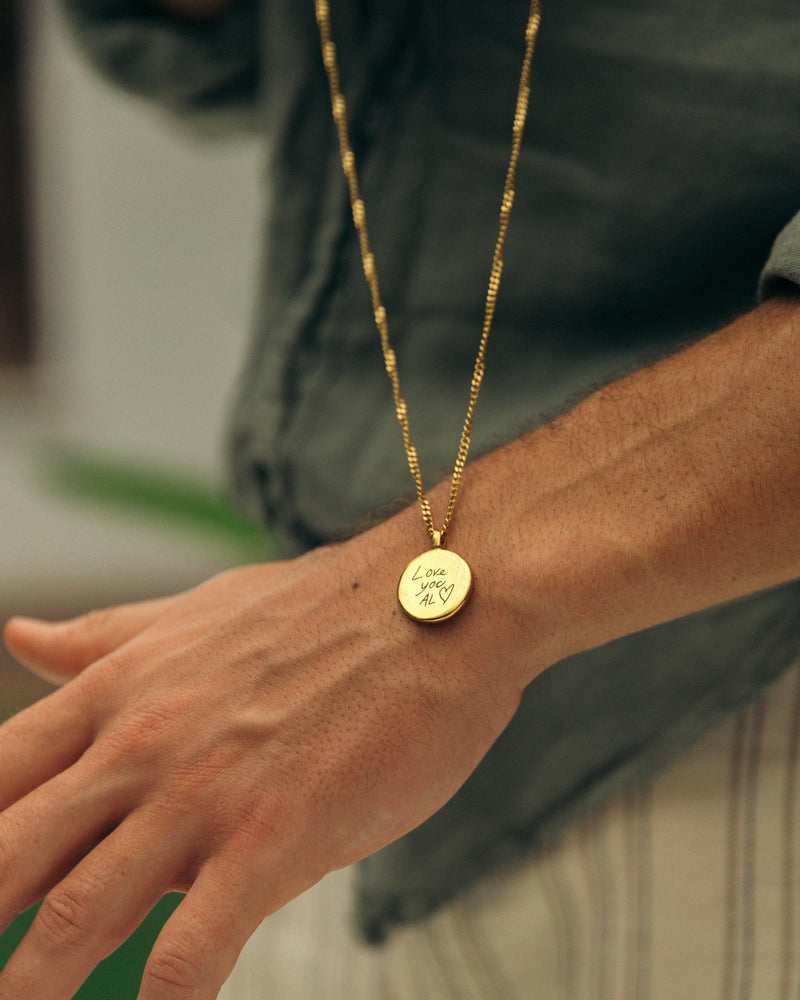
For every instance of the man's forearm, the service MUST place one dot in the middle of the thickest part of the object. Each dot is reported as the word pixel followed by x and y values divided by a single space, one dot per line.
pixel 666 492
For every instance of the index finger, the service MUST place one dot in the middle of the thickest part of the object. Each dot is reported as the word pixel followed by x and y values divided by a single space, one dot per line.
pixel 41 741
pixel 60 650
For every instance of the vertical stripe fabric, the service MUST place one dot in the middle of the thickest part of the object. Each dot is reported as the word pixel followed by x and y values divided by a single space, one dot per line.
pixel 686 887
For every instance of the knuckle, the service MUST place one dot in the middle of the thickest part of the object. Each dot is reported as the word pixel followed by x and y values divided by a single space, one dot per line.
pixel 261 825
pixel 87 636
pixel 65 919
pixel 173 973
pixel 81 632
pixel 95 620
pixel 141 738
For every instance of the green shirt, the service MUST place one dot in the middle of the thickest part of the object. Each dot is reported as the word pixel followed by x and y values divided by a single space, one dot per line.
pixel 660 165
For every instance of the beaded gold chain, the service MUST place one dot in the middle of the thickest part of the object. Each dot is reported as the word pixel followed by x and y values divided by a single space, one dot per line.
pixel 437 584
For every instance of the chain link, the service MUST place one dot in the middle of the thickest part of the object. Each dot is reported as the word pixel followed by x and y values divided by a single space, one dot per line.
pixel 339 108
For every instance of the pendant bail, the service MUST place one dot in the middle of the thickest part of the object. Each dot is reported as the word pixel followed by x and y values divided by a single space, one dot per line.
pixel 437 539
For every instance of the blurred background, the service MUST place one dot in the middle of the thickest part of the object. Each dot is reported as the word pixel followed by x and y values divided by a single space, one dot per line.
pixel 140 239
pixel 127 251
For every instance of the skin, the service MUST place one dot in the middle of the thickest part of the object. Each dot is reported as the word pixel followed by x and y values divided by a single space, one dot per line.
pixel 240 740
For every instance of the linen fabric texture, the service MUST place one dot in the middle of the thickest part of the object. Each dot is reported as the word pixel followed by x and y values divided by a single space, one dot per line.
pixel 659 183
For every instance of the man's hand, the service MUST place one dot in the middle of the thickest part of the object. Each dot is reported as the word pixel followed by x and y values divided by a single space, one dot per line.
pixel 241 740
pixel 236 742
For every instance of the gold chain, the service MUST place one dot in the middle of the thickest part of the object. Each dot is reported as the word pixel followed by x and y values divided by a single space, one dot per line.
pixel 368 260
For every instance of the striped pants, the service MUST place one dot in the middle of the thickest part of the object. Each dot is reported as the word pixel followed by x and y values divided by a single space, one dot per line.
pixel 687 888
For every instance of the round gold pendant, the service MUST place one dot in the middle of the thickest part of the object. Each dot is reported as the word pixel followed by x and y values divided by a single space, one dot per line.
pixel 434 586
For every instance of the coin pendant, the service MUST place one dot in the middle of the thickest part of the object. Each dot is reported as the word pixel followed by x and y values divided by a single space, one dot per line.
pixel 434 586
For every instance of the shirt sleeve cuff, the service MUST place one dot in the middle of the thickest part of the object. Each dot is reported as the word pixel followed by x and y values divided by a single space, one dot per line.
pixel 199 68
pixel 783 263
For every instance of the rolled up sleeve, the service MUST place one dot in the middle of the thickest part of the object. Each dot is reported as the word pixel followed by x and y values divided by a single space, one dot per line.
pixel 205 69
pixel 783 264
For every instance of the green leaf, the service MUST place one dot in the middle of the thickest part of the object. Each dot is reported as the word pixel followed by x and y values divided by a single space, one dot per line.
pixel 150 490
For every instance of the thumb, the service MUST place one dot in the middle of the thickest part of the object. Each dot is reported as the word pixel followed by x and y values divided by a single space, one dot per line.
pixel 58 651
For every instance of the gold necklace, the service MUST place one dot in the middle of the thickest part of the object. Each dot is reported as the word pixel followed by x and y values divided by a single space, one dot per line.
pixel 437 584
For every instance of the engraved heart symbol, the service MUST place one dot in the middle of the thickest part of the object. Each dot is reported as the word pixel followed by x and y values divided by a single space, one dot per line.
pixel 445 592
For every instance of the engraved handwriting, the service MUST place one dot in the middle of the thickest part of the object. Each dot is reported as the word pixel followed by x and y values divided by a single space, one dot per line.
pixel 438 571
pixel 432 585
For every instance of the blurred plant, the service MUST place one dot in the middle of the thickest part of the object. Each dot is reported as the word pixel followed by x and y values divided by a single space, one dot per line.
pixel 150 490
